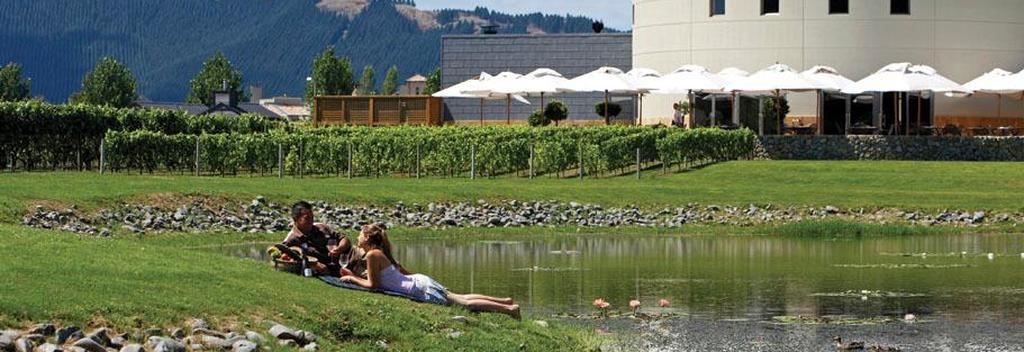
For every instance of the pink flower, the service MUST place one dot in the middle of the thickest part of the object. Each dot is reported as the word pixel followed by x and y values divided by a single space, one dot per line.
pixel 634 304
pixel 600 303
pixel 663 303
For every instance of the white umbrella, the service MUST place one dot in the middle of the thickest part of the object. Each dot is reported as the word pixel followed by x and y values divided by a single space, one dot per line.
pixel 829 80
pixel 905 78
pixel 605 79
pixel 998 82
pixel 474 84
pixel 645 80
pixel 504 85
pixel 728 76
pixel 459 90
pixel 690 78
pixel 541 81
pixel 775 79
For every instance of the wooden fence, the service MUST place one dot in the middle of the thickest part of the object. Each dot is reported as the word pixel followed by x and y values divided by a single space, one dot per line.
pixel 376 110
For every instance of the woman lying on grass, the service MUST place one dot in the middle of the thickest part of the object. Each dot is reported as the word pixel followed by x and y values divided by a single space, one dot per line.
pixel 383 273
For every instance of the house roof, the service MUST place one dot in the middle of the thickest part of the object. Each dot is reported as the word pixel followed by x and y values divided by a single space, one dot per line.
pixel 200 109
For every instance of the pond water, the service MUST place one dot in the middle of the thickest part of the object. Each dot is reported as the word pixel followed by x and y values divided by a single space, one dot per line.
pixel 743 278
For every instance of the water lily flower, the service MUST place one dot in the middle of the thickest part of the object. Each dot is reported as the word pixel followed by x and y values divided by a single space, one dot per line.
pixel 600 303
pixel 991 256
pixel 909 317
pixel 663 303
pixel 634 305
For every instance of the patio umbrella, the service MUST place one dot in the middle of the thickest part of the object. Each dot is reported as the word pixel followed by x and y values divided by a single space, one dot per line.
pixel 728 76
pixel 505 85
pixel 998 82
pixel 905 78
pixel 774 79
pixel 541 81
pixel 605 79
pixel 828 79
pixel 645 80
pixel 473 84
pixel 690 78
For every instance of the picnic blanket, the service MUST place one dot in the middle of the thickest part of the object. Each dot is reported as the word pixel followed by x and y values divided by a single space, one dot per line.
pixel 336 282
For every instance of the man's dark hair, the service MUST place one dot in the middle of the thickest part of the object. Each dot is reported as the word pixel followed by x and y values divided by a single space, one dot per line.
pixel 299 206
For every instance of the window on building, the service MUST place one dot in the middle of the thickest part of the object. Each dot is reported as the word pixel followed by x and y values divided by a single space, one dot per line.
pixel 769 7
pixel 717 7
pixel 838 7
pixel 899 7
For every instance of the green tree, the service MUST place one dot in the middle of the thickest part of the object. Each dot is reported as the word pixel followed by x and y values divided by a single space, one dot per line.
pixel 368 83
pixel 773 118
pixel 556 111
pixel 216 70
pixel 433 82
pixel 13 86
pixel 538 119
pixel 109 84
pixel 390 85
pixel 331 75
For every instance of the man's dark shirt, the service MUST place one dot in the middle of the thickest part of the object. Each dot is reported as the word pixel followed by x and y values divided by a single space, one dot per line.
pixel 316 242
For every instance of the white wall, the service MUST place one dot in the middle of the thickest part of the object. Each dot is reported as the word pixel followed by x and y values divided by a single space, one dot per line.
pixel 961 38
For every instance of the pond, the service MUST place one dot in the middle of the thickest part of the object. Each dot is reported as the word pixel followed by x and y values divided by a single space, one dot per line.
pixel 742 278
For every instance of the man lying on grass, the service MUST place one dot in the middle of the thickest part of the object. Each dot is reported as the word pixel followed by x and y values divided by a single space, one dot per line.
pixel 321 242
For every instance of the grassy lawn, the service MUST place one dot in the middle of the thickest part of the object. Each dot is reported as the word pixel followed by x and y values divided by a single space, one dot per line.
pixel 912 185
pixel 130 282
pixel 157 280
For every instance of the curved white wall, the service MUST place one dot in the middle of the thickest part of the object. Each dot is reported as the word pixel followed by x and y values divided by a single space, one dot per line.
pixel 960 38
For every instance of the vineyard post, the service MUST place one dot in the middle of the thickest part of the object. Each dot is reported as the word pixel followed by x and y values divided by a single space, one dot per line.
pixel 197 155
pixel 103 155
pixel 78 158
pixel 531 161
pixel 280 160
pixel 349 169
pixel 417 160
pixel 302 154
pixel 472 162
pixel 637 163
pixel 579 155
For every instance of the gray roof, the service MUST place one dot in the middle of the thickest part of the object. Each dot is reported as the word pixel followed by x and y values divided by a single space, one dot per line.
pixel 200 109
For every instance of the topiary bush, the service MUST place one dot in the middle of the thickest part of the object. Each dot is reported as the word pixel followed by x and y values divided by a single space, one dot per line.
pixel 613 109
pixel 537 119
pixel 556 111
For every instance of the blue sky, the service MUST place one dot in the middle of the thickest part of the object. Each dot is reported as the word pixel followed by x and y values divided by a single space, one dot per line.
pixel 614 13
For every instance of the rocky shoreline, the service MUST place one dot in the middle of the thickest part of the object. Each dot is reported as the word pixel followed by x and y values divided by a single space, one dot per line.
pixel 259 215
pixel 196 335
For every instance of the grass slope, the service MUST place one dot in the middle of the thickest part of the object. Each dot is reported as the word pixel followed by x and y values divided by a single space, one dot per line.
pixel 912 185
pixel 131 282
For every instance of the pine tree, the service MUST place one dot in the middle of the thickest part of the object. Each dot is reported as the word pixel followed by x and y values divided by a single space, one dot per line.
pixel 216 70
pixel 390 85
pixel 109 84
pixel 13 86
pixel 367 84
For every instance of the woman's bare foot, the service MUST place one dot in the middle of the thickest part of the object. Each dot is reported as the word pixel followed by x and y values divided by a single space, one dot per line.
pixel 514 312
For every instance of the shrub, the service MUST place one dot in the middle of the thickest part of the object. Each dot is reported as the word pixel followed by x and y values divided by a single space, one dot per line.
pixel 537 119
pixel 613 109
pixel 556 111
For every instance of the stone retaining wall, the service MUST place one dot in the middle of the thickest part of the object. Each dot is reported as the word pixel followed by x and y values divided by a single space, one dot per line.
pixel 890 148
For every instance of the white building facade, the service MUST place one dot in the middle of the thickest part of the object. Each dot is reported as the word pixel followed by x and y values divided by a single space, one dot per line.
pixel 962 39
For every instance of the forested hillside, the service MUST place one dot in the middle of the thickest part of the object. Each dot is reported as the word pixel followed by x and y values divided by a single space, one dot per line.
pixel 164 42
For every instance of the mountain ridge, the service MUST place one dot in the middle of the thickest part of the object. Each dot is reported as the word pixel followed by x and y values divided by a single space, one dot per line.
pixel 273 43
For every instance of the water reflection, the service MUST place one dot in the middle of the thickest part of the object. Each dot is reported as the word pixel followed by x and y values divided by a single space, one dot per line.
pixel 727 277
